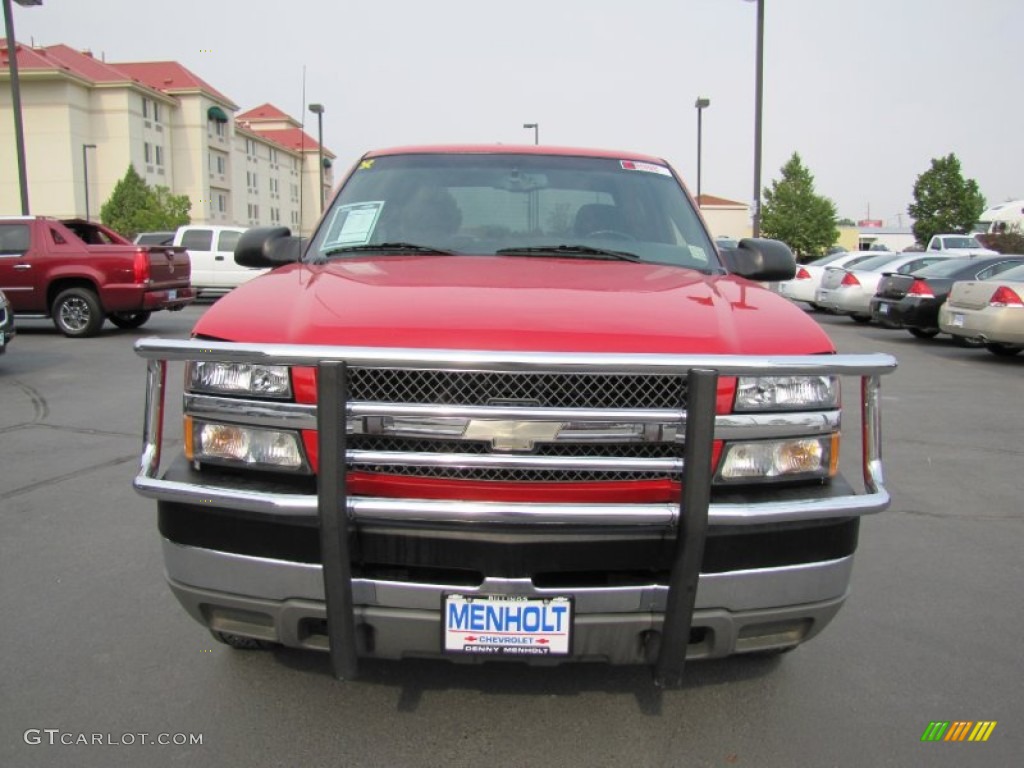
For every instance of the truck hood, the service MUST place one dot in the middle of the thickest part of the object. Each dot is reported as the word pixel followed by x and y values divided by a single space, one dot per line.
pixel 512 303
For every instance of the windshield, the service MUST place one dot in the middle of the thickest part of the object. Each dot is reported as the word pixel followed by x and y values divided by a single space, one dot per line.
pixel 1011 275
pixel 945 268
pixel 514 205
pixel 961 242
pixel 874 262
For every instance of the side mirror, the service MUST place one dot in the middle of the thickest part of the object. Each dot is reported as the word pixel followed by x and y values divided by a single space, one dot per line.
pixel 761 259
pixel 268 247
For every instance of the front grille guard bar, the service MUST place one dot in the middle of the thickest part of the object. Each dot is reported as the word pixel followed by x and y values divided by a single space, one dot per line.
pixel 335 509
pixel 869 367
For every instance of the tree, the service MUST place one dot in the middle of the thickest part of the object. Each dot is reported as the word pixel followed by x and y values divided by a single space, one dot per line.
pixel 134 207
pixel 944 201
pixel 795 214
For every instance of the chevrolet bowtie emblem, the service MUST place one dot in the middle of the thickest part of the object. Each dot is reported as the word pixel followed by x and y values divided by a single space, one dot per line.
pixel 512 435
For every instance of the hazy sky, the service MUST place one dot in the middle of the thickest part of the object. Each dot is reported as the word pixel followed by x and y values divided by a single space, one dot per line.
pixel 867 91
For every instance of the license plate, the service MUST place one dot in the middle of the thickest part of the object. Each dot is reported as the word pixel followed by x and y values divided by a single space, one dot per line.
pixel 507 625
pixel 883 309
pixel 172 295
pixel 958 320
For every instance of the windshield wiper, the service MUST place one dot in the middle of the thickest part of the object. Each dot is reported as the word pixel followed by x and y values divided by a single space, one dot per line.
pixel 569 250
pixel 387 248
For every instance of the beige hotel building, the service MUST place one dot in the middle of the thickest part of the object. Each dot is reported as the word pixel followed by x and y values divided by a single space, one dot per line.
pixel 254 168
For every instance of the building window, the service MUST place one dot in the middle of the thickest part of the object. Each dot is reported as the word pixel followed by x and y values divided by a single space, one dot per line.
pixel 156 112
pixel 295 193
pixel 145 108
pixel 295 218
pixel 147 152
pixel 273 187
pixel 218 128
pixel 222 203
pixel 221 165
pixel 159 154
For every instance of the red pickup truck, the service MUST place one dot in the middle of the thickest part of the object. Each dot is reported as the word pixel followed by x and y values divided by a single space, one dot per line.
pixel 78 273
pixel 511 403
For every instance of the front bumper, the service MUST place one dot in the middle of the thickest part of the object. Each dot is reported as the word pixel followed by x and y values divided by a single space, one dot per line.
pixel 283 602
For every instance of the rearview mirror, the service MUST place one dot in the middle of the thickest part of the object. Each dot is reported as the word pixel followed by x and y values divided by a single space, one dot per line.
pixel 268 247
pixel 760 259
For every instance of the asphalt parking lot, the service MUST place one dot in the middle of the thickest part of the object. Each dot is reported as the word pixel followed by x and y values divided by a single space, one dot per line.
pixel 93 643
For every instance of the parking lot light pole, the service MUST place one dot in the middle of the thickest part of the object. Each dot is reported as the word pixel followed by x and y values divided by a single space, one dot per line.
pixel 536 131
pixel 318 110
pixel 85 168
pixel 19 127
pixel 759 93
pixel 701 104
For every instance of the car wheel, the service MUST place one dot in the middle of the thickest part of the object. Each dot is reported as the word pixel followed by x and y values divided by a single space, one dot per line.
pixel 240 643
pixel 923 333
pixel 862 319
pixel 1002 350
pixel 76 313
pixel 128 320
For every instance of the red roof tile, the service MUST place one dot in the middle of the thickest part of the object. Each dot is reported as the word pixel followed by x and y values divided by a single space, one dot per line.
pixel 171 77
pixel 293 138
pixel 265 112
pixel 712 200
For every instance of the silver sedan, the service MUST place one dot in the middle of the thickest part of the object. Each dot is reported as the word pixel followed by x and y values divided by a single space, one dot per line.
pixel 849 291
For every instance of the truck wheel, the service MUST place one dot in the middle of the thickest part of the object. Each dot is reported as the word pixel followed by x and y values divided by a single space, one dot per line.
pixel 1002 350
pixel 240 643
pixel 76 313
pixel 128 320
pixel 923 333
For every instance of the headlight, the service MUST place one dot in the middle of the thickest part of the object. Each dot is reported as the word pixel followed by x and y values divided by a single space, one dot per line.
pixel 232 444
pixel 239 379
pixel 780 393
pixel 795 458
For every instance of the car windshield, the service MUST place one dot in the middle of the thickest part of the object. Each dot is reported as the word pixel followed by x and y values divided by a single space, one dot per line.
pixel 1015 275
pixel 827 259
pixel 945 268
pixel 514 205
pixel 874 262
pixel 961 242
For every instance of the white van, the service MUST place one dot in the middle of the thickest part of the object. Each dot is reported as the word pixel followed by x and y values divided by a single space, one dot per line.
pixel 212 249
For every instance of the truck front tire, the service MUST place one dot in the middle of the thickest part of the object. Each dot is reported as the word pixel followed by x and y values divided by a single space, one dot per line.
pixel 77 313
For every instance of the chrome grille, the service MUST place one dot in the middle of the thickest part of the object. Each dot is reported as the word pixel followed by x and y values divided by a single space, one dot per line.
pixel 524 389
pixel 602 450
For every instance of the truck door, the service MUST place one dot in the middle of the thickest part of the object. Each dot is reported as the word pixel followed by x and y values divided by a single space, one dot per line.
pixel 20 268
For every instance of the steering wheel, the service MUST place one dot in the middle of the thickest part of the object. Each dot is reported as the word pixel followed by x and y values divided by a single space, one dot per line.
pixel 614 234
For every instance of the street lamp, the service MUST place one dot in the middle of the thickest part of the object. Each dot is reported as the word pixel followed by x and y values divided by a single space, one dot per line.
pixel 701 104
pixel 19 128
pixel 318 110
pixel 757 116
pixel 85 166
pixel 536 131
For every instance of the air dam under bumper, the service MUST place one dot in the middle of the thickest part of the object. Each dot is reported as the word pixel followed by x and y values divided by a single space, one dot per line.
pixel 283 602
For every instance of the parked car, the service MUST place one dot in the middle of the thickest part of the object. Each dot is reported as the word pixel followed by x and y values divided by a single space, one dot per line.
pixel 958 245
pixel 6 323
pixel 79 273
pixel 805 284
pixel 154 238
pixel 212 249
pixel 848 291
pixel 912 301
pixel 989 311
